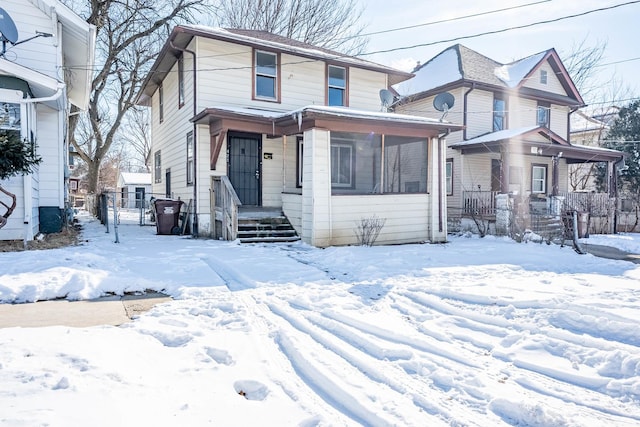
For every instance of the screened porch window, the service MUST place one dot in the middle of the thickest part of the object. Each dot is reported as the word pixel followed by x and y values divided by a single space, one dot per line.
pixel 360 164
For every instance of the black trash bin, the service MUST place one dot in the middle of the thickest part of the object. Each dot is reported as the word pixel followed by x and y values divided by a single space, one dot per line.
pixel 167 216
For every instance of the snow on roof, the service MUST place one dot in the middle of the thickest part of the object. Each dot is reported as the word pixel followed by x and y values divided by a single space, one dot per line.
pixel 442 69
pixel 335 111
pixel 581 122
pixel 512 74
pixel 496 136
pixel 129 178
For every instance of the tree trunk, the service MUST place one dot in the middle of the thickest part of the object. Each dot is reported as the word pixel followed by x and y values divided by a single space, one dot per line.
pixel 93 176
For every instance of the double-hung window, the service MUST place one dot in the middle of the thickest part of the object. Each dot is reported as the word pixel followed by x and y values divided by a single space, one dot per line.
pixel 539 179
pixel 337 86
pixel 180 81
pixel 342 165
pixel 449 176
pixel 190 164
pixel 160 103
pixel 157 164
pixel 543 114
pixel 266 75
pixel 499 113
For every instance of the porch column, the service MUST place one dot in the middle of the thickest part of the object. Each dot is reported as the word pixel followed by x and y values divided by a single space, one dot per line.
pixel 504 169
pixel 438 212
pixel 555 181
pixel 316 188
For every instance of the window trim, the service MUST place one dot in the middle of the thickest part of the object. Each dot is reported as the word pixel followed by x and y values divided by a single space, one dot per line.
pixel 546 107
pixel 544 179
pixel 190 166
pixel 157 166
pixel 255 74
pixel 352 181
pixel 180 81
pixel 167 184
pixel 503 115
pixel 329 86
pixel 543 77
pixel 160 103
pixel 448 176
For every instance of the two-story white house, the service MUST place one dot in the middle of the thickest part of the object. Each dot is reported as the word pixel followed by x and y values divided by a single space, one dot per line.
pixel 248 121
pixel 516 138
pixel 45 66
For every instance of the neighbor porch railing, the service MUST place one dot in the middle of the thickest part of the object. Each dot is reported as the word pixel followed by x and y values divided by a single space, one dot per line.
pixel 225 203
pixel 479 203
pixel 597 204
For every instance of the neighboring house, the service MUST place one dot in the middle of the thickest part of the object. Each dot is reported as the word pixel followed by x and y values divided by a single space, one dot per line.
pixel 43 71
pixel 133 188
pixel 516 136
pixel 250 119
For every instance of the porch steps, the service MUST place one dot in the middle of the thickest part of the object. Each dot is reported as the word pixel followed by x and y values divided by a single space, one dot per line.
pixel 550 227
pixel 271 229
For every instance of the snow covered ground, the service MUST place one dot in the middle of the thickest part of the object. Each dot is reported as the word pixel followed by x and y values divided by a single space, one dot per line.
pixel 476 332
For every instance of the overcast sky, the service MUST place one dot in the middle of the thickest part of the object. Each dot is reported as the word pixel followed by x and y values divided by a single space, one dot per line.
pixel 618 27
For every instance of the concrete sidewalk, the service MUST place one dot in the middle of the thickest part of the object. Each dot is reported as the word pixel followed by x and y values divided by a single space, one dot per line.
pixel 111 310
pixel 610 253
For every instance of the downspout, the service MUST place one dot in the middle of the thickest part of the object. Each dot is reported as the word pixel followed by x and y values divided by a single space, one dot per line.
pixel 464 111
pixel 194 231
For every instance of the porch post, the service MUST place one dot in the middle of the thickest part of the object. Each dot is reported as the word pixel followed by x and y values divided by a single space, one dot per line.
pixel 504 168
pixel 555 163
pixel 438 211
pixel 316 188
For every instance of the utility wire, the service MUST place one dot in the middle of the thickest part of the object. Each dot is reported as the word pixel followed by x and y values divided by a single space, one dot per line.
pixel 517 27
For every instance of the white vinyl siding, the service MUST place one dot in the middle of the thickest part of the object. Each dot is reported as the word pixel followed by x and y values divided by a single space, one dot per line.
pixel 479 113
pixel 272 171
pixel 51 174
pixel 553 83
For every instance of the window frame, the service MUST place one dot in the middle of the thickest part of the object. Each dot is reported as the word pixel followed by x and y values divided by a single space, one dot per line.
pixel 543 77
pixel 167 184
pixel 157 166
pixel 190 165
pixel 275 77
pixel 300 157
pixel 448 176
pixel 544 179
pixel 499 114
pixel 160 103
pixel 329 86
pixel 351 163
pixel 546 107
pixel 180 81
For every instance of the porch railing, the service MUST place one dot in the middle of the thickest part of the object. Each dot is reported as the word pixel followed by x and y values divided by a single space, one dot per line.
pixel 225 205
pixel 479 203
pixel 597 204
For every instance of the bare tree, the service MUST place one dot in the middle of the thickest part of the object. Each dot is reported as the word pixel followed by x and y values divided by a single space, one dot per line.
pixel 332 24
pixel 137 135
pixel 129 35
pixel 582 63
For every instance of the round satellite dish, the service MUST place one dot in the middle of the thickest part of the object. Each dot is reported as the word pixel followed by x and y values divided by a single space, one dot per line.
pixel 386 97
pixel 8 30
pixel 443 101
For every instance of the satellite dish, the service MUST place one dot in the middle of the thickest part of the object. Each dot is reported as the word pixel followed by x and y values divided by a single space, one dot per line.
pixel 8 30
pixel 387 98
pixel 443 102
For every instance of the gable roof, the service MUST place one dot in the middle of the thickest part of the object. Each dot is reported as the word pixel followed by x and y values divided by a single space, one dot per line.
pixel 182 35
pixel 131 178
pixel 460 65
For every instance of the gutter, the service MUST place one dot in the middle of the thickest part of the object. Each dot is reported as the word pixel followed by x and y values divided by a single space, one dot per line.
pixel 194 225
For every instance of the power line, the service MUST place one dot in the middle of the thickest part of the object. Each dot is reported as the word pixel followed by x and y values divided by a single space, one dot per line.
pixel 458 18
pixel 517 27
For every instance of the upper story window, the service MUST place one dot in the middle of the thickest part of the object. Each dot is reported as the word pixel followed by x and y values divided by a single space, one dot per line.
pixel 543 114
pixel 543 77
pixel 266 75
pixel 337 86
pixel 161 103
pixel 499 112
pixel 180 81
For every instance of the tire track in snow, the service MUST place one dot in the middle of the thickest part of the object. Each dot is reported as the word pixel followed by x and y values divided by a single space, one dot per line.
pixel 368 358
pixel 233 279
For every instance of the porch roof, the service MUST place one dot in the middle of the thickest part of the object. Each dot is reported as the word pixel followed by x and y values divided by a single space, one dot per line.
pixel 516 140
pixel 275 123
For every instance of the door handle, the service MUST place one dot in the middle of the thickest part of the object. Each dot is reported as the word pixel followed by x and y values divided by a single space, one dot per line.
pixel 258 174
